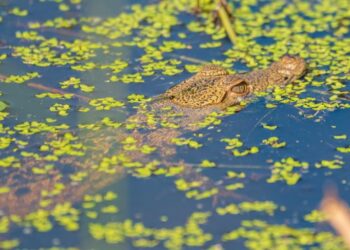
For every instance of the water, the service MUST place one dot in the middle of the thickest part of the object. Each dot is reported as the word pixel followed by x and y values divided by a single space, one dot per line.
pixel 76 202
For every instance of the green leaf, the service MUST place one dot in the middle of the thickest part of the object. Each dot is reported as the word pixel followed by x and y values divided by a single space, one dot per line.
pixel 3 106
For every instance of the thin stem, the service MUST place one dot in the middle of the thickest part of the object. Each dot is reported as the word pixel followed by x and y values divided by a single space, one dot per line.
pixel 191 59
pixel 51 89
pixel 225 20
pixel 58 91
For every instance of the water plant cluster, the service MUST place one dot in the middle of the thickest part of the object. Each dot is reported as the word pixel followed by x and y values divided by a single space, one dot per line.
pixel 89 126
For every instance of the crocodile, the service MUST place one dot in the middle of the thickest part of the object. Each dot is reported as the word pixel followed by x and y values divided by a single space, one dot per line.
pixel 214 86
pixel 212 89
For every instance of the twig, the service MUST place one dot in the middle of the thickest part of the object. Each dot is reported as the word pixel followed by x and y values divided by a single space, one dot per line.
pixel 344 96
pixel 190 59
pixel 231 166
pixel 51 89
pixel 58 91
pixel 59 31
pixel 225 20
pixel 269 112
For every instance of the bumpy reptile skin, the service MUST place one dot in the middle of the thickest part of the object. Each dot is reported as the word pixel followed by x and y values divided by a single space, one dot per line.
pixel 214 86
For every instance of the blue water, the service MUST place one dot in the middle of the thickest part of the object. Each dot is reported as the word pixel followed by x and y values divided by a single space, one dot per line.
pixel 146 200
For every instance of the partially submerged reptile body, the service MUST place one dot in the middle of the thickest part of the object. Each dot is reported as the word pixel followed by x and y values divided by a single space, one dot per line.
pixel 213 86
pixel 212 89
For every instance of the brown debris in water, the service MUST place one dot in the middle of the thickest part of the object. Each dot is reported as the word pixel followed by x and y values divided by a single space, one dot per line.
pixel 337 213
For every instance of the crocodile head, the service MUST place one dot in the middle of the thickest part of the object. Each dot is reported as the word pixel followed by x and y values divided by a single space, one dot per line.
pixel 290 68
pixel 214 86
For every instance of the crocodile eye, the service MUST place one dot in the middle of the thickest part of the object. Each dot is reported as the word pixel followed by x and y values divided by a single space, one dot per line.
pixel 241 88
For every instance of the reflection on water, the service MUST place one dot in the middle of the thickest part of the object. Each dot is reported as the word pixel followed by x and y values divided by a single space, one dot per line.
pixel 89 161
